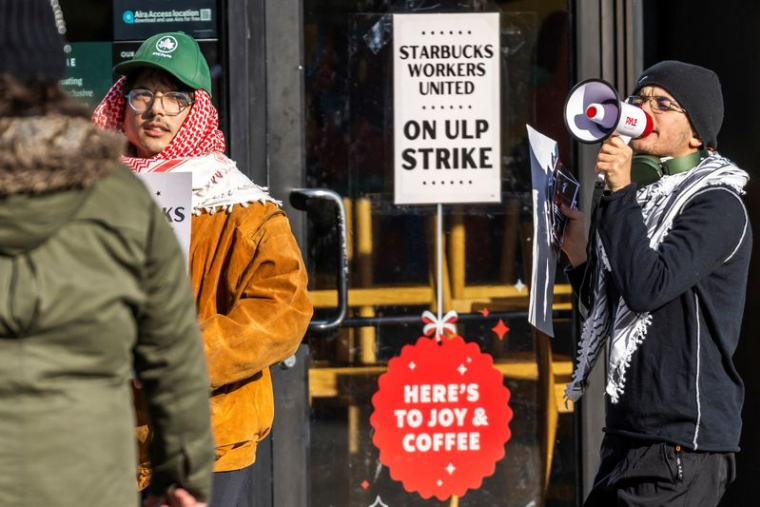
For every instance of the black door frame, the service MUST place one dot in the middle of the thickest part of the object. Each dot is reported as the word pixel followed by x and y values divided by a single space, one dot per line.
pixel 608 44
pixel 266 111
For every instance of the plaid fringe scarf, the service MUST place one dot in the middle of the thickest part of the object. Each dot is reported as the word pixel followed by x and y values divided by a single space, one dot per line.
pixel 197 148
pixel 661 202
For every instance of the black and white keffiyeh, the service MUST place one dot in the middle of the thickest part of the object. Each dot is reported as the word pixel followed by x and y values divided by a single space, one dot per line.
pixel 661 202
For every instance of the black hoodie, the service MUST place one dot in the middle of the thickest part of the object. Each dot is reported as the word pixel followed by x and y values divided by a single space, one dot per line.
pixel 681 385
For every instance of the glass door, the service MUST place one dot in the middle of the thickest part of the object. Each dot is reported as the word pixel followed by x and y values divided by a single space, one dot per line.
pixel 391 255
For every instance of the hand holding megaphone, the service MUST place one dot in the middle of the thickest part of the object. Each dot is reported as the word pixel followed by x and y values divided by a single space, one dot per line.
pixel 594 112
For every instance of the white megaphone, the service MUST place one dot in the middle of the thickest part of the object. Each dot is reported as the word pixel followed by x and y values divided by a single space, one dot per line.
pixel 594 111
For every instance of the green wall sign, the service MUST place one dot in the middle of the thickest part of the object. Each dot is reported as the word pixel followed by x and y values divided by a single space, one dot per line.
pixel 88 71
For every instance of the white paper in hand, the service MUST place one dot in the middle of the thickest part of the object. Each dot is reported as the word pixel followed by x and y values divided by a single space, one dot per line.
pixel 544 154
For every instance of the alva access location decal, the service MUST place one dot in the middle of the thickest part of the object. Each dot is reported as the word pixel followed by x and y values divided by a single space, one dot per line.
pixel 139 19
pixel 447 113
pixel 441 417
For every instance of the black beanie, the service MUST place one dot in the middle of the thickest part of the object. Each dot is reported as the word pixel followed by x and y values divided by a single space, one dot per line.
pixel 30 45
pixel 696 89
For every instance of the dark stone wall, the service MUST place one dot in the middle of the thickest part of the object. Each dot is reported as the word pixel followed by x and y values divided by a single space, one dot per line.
pixel 723 36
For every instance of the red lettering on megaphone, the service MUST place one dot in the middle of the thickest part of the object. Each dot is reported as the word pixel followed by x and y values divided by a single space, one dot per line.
pixel 634 123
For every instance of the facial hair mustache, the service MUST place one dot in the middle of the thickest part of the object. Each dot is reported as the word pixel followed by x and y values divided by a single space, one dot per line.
pixel 156 123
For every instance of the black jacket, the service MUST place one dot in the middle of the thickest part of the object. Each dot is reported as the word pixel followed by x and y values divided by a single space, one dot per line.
pixel 681 385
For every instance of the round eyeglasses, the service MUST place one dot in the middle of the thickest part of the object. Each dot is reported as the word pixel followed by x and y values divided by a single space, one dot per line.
pixel 173 103
pixel 658 104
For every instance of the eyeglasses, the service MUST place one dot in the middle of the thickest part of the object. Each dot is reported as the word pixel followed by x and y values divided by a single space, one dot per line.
pixel 658 104
pixel 173 103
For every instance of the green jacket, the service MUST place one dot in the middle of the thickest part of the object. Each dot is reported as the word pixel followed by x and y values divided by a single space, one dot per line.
pixel 94 291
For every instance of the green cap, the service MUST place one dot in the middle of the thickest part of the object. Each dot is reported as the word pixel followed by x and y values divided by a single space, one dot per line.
pixel 175 52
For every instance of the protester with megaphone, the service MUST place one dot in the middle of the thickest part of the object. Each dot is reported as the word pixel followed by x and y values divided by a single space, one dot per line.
pixel 664 280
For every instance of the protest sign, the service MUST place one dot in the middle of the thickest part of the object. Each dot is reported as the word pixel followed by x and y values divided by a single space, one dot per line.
pixel 547 225
pixel 447 114
pixel 173 193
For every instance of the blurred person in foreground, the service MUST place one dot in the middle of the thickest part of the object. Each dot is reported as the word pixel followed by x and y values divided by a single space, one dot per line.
pixel 668 276
pixel 247 274
pixel 94 290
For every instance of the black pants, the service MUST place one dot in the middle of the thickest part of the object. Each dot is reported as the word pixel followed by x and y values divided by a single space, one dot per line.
pixel 233 489
pixel 637 473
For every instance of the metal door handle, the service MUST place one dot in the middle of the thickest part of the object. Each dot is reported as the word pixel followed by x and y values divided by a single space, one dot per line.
pixel 300 198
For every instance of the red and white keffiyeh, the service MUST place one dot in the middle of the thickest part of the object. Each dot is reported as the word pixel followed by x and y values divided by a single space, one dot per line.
pixel 625 330
pixel 197 148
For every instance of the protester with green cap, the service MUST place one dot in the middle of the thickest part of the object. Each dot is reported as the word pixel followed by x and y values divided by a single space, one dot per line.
pixel 94 291
pixel 246 269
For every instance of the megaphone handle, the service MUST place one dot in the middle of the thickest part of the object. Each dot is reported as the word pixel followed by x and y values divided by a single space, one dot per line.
pixel 601 178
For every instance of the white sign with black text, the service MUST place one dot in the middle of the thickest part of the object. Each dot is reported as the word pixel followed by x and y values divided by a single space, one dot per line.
pixel 447 114
pixel 173 192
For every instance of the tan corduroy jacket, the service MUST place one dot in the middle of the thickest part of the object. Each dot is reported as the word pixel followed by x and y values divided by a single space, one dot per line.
pixel 249 282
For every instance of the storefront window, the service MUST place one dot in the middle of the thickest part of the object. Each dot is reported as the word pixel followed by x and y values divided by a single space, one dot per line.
pixel 348 124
